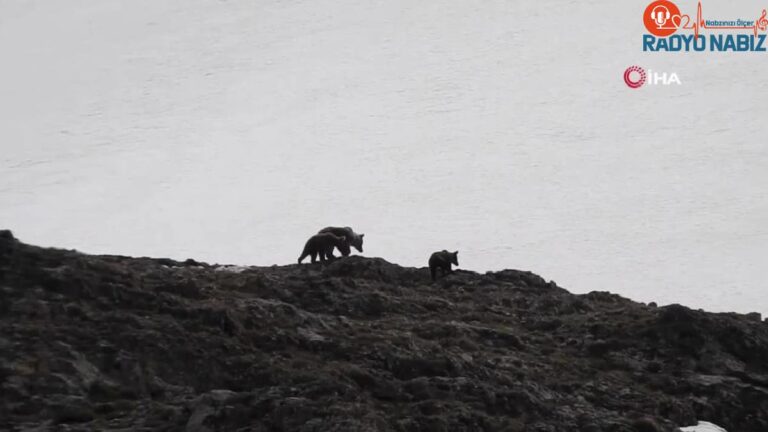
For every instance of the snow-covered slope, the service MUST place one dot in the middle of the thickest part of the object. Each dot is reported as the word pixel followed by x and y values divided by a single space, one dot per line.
pixel 231 130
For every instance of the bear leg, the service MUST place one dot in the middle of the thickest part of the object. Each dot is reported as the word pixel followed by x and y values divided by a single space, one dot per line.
pixel 303 255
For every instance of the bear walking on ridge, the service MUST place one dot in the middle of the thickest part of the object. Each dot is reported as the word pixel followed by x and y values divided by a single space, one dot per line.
pixel 352 239
pixel 442 260
pixel 322 245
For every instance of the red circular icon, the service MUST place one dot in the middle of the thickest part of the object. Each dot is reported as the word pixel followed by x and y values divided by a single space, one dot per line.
pixel 634 76
pixel 661 18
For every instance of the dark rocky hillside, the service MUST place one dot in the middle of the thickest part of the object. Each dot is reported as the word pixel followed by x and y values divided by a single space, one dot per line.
pixel 116 343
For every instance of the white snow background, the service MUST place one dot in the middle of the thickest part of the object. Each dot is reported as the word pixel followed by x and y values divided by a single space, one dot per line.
pixel 230 131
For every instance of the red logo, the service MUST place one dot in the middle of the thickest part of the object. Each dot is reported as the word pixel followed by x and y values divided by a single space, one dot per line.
pixel 661 18
pixel 634 76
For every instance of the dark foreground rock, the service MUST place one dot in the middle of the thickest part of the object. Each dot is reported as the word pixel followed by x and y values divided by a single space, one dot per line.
pixel 108 342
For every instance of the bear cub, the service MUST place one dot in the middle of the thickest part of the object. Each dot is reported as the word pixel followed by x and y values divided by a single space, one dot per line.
pixel 322 245
pixel 442 261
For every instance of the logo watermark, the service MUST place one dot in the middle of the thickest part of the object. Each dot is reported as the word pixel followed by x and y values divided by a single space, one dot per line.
pixel 636 76
pixel 671 30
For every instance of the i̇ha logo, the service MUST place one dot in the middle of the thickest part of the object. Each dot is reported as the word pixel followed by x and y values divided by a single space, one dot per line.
pixel 635 77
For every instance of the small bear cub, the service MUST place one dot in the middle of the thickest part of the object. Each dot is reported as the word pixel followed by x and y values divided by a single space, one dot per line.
pixel 322 245
pixel 442 261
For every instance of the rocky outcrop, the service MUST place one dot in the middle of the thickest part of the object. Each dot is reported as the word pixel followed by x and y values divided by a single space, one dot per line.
pixel 360 344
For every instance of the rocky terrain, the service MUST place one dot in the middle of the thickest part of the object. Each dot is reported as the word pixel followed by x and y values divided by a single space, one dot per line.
pixel 117 343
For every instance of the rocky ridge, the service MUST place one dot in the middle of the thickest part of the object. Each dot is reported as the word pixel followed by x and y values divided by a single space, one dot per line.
pixel 117 343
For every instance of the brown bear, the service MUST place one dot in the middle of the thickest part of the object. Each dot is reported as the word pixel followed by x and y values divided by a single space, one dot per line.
pixel 353 239
pixel 442 260
pixel 322 245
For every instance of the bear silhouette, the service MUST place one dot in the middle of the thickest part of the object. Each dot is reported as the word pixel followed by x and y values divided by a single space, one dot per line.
pixel 352 239
pixel 322 245
pixel 442 261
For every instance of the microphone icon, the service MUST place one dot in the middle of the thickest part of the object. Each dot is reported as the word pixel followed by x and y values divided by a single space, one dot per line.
pixel 662 18
pixel 660 15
